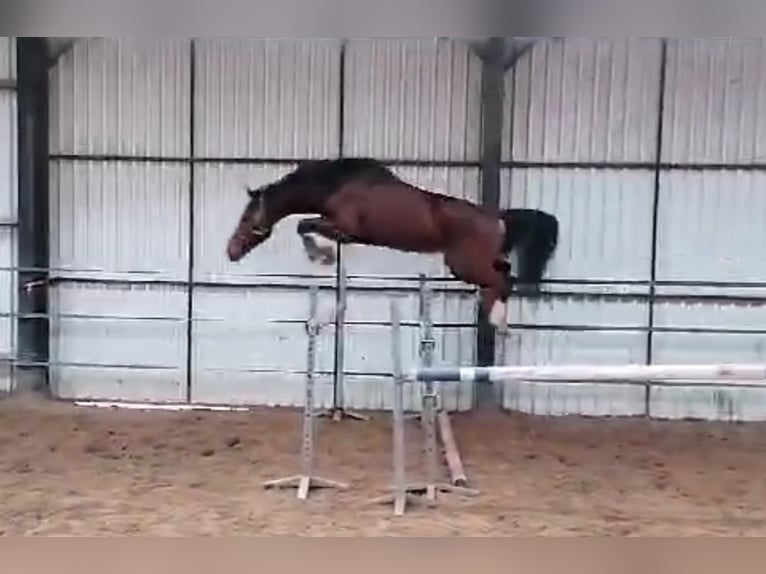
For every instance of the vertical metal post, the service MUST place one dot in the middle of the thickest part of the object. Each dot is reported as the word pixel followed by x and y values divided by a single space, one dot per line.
pixel 338 411
pixel 190 216
pixel 30 294
pixel 492 103
pixel 339 399
pixel 655 219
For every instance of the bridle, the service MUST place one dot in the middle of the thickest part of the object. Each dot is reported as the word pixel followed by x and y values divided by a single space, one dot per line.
pixel 259 232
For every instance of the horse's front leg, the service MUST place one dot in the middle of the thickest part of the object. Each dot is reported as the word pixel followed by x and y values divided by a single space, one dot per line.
pixel 307 228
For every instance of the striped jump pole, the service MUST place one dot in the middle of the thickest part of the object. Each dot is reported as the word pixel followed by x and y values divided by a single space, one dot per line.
pixel 734 374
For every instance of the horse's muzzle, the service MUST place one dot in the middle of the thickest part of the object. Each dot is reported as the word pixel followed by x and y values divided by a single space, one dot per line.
pixel 235 250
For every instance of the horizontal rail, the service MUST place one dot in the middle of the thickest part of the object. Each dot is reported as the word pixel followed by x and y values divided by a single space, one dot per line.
pixel 712 374
pixel 402 162
pixel 449 279
pixel 234 160
pixel 450 325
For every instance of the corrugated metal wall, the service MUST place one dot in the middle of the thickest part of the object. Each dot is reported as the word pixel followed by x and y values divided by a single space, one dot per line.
pixel 8 206
pixel 581 140
pixel 119 204
pixel 153 142
pixel 148 156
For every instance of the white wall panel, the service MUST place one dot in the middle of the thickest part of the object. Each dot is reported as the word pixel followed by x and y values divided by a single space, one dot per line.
pixel 8 303
pixel 125 220
pixel 145 330
pixel 605 218
pixel 584 100
pixel 8 209
pixel 121 97
pixel 8 156
pixel 267 98
pixel 552 346
pixel 7 58
pixel 242 356
pixel 412 99
pixel 716 403
pixel 715 101
pixel 220 198
pixel 710 226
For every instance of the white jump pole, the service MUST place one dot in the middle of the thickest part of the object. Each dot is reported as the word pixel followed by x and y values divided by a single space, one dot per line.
pixel 736 374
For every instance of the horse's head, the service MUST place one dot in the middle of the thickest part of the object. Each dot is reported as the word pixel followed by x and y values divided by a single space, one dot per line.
pixel 254 226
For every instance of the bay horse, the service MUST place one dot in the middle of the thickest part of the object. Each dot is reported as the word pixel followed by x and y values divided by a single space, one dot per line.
pixel 361 201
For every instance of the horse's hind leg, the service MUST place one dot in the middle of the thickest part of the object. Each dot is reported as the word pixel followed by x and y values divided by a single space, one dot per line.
pixel 495 286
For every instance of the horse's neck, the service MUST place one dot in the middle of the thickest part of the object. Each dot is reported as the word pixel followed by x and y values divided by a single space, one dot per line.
pixel 289 200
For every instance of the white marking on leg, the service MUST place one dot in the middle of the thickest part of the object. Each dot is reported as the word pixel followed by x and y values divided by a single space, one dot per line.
pixel 497 314
pixel 322 242
pixel 310 246
pixel 324 254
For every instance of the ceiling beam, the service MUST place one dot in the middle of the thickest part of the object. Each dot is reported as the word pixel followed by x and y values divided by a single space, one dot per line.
pixel 512 50
pixel 57 47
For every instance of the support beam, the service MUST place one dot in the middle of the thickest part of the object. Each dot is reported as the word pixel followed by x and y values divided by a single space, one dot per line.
pixel 492 99
pixel 32 243
pixel 57 47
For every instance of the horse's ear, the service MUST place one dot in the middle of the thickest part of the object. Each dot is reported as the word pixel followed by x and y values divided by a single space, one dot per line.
pixel 253 193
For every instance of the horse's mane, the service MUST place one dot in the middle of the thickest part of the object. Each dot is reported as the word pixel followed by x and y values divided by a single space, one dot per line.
pixel 334 172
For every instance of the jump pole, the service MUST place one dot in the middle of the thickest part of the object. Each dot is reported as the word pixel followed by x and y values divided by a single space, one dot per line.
pixel 338 412
pixel 734 374
pixel 431 409
pixel 305 481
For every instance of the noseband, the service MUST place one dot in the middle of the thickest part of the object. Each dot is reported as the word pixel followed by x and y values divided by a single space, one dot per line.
pixel 259 232
pixel 255 233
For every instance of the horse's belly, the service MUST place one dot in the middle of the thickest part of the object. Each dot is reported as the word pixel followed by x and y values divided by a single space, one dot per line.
pixel 388 216
pixel 409 229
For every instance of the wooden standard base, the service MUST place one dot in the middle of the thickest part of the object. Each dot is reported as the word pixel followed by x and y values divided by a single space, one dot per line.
pixel 338 415
pixel 420 492
pixel 304 484
pixel 400 497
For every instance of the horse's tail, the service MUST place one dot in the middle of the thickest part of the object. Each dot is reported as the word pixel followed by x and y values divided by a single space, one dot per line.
pixel 534 235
